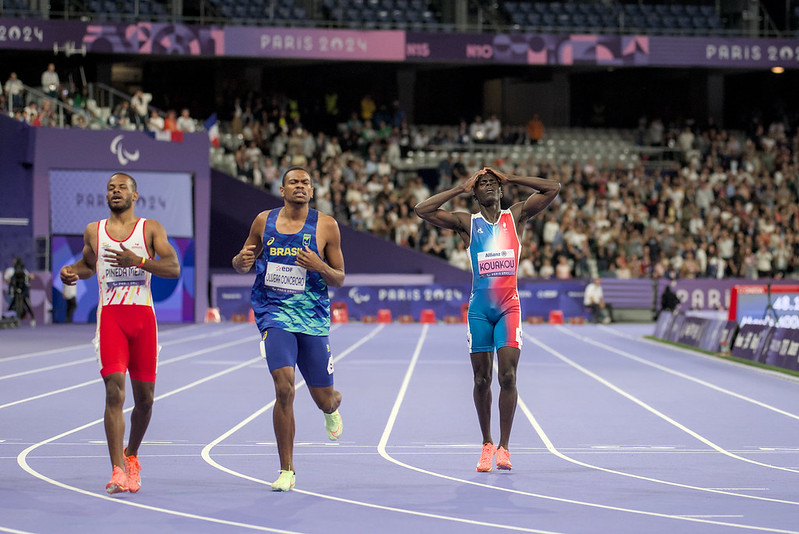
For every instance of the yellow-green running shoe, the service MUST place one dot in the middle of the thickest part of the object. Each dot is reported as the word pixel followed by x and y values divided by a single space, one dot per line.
pixel 334 425
pixel 284 482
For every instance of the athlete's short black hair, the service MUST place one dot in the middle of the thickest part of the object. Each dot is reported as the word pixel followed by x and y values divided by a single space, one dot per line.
pixel 135 186
pixel 294 168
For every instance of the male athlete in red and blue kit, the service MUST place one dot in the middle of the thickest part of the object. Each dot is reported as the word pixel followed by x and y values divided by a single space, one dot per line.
pixel 493 235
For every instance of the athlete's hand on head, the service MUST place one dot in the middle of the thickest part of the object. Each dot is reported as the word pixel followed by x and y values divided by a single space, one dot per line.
pixel 68 276
pixel 309 259
pixel 121 258
pixel 500 176
pixel 469 184
pixel 246 257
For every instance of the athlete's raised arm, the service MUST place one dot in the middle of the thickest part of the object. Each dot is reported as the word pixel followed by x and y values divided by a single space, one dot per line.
pixel 430 209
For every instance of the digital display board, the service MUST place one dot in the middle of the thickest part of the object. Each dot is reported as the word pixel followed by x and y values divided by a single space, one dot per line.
pixel 765 304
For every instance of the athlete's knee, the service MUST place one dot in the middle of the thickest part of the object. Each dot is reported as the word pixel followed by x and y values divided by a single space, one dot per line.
pixel 144 403
pixel 114 394
pixel 284 393
pixel 482 381
pixel 507 379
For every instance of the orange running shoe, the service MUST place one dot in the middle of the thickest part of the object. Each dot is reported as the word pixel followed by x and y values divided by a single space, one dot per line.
pixel 132 469
pixel 118 482
pixel 486 458
pixel 503 459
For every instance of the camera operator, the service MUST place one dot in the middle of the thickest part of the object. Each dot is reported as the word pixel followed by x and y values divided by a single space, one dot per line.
pixel 18 279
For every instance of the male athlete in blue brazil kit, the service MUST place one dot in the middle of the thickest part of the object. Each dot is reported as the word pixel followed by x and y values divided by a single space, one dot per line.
pixel 296 251
pixel 493 236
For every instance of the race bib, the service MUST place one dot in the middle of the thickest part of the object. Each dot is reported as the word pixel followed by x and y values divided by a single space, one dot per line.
pixel 285 278
pixel 496 263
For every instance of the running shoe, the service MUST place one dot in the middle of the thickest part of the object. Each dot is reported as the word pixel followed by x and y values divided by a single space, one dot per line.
pixel 486 458
pixel 118 482
pixel 503 459
pixel 132 469
pixel 284 482
pixel 334 425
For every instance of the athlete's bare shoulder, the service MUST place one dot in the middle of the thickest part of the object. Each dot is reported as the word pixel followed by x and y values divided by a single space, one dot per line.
pixel 324 218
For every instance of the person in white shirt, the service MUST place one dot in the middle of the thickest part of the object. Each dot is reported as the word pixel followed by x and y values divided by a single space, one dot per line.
pixel 50 81
pixel 140 102
pixel 594 298
pixel 185 122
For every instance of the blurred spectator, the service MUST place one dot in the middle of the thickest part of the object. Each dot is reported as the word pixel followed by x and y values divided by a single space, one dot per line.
pixel 156 122
pixel 185 123
pixel 140 102
pixel 121 117
pixel 535 129
pixel 594 299
pixel 18 279
pixel 478 132
pixel 51 84
pixel 171 121
pixel 669 301
pixel 493 129
pixel 14 89
pixel 368 107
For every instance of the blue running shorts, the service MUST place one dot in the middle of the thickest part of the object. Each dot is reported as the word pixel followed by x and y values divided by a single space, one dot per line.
pixel 311 354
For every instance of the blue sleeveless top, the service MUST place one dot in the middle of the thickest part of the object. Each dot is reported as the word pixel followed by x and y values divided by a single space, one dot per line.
pixel 284 294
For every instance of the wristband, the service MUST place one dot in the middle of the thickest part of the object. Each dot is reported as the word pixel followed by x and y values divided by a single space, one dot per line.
pixel 142 262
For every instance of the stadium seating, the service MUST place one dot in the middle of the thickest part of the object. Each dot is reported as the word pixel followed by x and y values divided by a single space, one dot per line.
pixel 601 17
pixel 382 14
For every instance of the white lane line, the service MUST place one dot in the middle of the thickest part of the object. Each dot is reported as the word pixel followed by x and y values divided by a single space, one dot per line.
pixel 23 463
pixel 94 358
pixel 679 374
pixel 96 380
pixel 14 531
pixel 82 346
pixel 392 419
pixel 660 414
pixel 206 455
pixel 551 447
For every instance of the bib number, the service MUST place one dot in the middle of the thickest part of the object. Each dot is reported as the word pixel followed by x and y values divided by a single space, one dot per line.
pixel 496 263
pixel 285 278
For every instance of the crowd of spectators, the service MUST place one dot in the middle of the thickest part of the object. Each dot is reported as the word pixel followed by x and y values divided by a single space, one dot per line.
pixel 725 207
pixel 57 103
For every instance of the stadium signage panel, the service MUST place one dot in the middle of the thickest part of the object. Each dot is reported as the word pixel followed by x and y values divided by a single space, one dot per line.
pixel 75 37
pixel 71 37
pixel 315 43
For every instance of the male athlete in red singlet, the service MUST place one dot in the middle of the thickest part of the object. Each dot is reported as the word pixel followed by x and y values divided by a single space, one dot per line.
pixel 125 250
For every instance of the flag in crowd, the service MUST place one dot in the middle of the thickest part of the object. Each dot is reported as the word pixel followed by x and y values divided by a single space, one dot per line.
pixel 212 127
